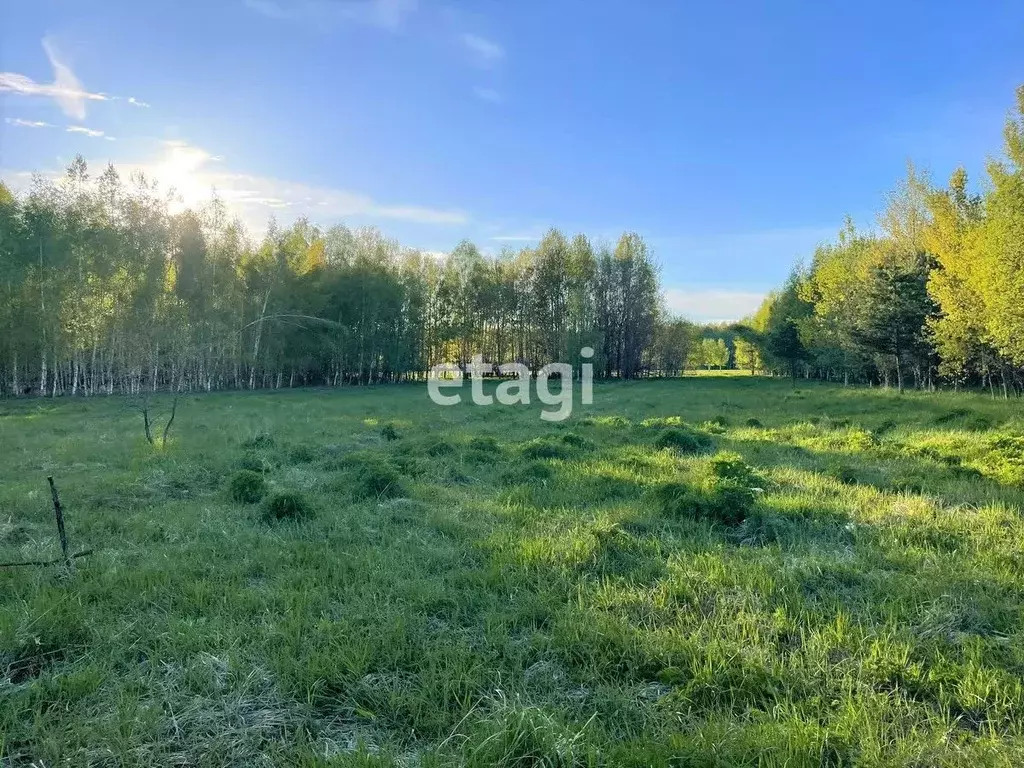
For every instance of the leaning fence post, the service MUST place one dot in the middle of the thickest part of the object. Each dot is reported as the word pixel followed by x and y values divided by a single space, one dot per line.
pixel 59 512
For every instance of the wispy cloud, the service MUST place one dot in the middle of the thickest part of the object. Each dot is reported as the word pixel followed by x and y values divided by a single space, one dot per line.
pixel 26 123
pixel 484 51
pixel 88 132
pixel 713 304
pixel 194 173
pixel 66 89
pixel 386 14
pixel 488 94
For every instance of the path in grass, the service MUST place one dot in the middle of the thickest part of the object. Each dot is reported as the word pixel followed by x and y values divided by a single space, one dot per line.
pixel 717 570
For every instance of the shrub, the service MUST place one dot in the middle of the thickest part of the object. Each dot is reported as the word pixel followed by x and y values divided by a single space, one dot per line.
pixel 247 487
pixel 683 440
pixel 287 505
pixel 753 424
pixel 389 433
pixel 720 420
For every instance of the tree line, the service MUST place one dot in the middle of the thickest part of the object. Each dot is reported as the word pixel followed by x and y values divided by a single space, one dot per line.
pixel 932 296
pixel 106 288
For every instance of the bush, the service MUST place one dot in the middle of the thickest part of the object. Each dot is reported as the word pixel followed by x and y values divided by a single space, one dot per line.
pixel 389 433
pixel 247 487
pixel 720 421
pixel 686 441
pixel 287 505
pixel 754 424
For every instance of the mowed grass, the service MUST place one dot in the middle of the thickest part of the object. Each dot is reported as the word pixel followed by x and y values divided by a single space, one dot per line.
pixel 708 571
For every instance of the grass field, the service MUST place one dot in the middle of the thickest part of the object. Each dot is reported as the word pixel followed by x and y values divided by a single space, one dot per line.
pixel 707 571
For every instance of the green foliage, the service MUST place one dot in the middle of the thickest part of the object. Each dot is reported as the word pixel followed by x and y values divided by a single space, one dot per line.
pixel 286 506
pixel 247 487
pixel 389 432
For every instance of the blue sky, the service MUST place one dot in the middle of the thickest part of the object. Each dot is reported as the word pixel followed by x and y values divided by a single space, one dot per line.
pixel 732 136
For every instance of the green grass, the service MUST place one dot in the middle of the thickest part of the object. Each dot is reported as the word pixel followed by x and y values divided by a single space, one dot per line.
pixel 834 578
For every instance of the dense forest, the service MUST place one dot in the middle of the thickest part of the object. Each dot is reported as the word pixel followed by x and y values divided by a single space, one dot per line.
pixel 105 289
pixel 105 286
pixel 934 296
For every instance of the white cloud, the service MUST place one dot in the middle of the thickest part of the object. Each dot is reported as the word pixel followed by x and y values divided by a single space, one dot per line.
pixel 485 51
pixel 386 14
pixel 194 173
pixel 26 123
pixel 86 131
pixel 488 94
pixel 66 89
pixel 713 304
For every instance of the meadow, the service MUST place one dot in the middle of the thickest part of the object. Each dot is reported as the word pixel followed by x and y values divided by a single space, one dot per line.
pixel 696 572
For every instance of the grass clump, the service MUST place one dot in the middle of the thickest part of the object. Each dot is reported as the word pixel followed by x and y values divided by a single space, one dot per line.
pixel 389 433
pixel 1005 459
pixel 720 501
pixel 528 473
pixel 369 476
pixel 842 473
pixel 301 454
pixel 731 467
pixel 247 487
pixel 544 448
pixel 287 505
pixel 683 440
pixel 753 423
pixel 256 461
